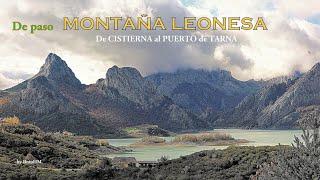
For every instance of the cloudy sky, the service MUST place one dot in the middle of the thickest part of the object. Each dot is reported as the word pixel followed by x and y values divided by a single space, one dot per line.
pixel 291 44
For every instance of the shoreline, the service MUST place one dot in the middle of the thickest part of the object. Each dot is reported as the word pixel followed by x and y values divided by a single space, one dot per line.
pixel 191 144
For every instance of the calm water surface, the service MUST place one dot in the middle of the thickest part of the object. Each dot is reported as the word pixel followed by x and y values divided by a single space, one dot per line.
pixel 256 138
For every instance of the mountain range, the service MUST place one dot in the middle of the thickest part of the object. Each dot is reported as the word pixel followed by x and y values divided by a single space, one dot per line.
pixel 201 90
pixel 55 100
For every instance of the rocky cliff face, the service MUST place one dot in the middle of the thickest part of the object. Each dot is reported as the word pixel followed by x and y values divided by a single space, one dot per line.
pixel 129 83
pixel 200 90
pixel 128 86
pixel 277 105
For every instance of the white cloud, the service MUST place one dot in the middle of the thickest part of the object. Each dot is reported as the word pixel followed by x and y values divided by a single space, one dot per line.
pixel 7 82
pixel 290 44
pixel 297 8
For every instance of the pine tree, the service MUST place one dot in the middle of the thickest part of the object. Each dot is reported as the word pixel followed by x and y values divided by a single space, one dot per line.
pixel 302 161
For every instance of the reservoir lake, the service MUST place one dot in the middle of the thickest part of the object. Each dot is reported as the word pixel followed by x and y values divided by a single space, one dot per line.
pixel 256 138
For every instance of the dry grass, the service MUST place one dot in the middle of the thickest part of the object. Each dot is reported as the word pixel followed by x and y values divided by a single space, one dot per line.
pixel 11 121
pixel 102 142
pixel 152 140
pixel 204 137
pixel 3 101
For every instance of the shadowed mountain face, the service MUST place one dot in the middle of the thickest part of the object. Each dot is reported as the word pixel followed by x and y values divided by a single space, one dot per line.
pixel 54 99
pixel 200 90
pixel 276 106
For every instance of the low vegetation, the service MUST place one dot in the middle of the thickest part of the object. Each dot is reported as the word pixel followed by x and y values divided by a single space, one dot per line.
pixel 231 163
pixel 72 157
pixel 150 140
pixel 302 162
pixel 56 151
pixel 204 137
pixel 75 157
pixel 210 138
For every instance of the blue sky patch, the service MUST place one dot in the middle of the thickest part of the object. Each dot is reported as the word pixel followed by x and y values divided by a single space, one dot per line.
pixel 315 19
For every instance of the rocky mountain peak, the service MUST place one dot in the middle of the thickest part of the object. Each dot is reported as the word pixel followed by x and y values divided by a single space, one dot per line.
pixel 316 68
pixel 125 71
pixel 125 77
pixel 129 83
pixel 53 58
pixel 57 71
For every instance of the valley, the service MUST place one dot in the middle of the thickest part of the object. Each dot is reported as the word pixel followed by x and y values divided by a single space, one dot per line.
pixel 165 120
pixel 55 100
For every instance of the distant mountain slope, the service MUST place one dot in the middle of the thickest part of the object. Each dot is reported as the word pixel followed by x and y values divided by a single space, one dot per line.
pixel 277 105
pixel 305 92
pixel 54 99
pixel 245 114
pixel 200 90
